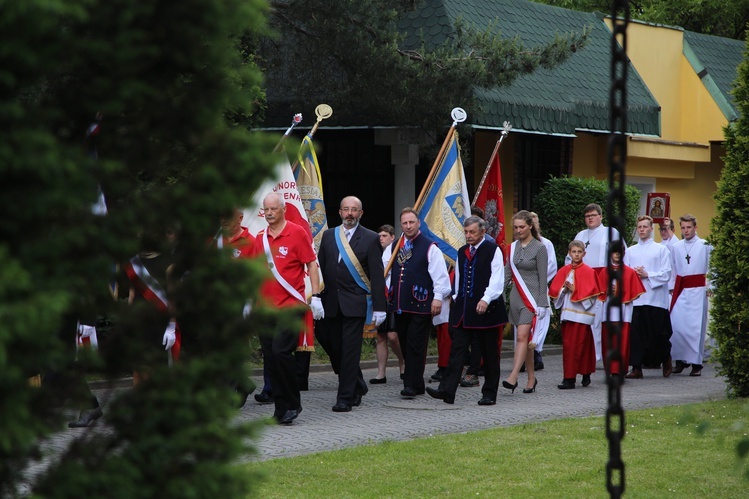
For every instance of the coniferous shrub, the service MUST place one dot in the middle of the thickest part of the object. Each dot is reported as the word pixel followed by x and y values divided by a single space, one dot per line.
pixel 729 314
pixel 174 93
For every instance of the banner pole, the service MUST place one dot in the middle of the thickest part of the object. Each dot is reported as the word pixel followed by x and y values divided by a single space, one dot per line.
pixel 458 115
pixel 505 132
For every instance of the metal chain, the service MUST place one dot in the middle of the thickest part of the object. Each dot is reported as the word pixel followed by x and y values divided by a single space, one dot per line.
pixel 615 210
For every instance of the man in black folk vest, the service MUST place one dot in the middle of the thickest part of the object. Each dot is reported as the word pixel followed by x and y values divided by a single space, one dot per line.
pixel 477 309
pixel 350 259
pixel 418 283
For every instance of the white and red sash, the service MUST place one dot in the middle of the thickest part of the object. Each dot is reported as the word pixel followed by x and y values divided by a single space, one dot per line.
pixel 272 265
pixel 155 293
pixel 525 294
pixel 684 282
pixel 146 284
pixel 82 343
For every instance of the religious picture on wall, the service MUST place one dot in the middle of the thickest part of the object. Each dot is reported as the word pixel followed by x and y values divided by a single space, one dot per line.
pixel 658 206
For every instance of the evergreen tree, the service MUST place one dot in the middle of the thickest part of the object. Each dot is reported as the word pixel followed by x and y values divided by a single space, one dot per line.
pixel 726 18
pixel 357 55
pixel 172 85
pixel 730 261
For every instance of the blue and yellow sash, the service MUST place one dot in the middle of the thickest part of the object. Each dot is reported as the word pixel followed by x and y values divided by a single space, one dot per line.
pixel 354 267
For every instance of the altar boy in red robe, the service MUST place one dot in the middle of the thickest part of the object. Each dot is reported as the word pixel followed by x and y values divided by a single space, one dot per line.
pixel 632 289
pixel 575 291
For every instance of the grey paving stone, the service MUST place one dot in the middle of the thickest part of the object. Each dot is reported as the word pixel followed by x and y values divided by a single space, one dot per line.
pixel 385 416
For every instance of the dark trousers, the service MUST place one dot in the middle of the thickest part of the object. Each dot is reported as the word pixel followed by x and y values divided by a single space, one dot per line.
pixel 650 336
pixel 341 337
pixel 474 357
pixel 278 352
pixel 486 340
pixel 302 361
pixel 413 334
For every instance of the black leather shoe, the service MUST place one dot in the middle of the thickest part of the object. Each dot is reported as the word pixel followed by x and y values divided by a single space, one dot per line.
pixel 586 380
pixel 341 407
pixel 86 418
pixel 243 395
pixel 487 401
pixel 679 367
pixel 378 381
pixel 538 366
pixel 357 401
pixel 288 417
pixel 264 398
pixel 441 395
pixel 696 370
pixel 408 393
pixel 437 376
pixel 567 384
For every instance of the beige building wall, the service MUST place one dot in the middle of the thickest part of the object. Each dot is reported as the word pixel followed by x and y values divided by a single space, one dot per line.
pixel 685 160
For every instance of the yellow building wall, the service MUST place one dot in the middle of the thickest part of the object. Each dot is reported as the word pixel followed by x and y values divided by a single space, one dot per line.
pixel 691 188
pixel 656 53
pixel 689 114
pixel 589 156
pixel 688 111
pixel 695 196
pixel 702 120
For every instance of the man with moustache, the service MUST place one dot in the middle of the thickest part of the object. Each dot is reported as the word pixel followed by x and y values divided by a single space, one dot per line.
pixel 287 247
pixel 350 259
pixel 418 283
pixel 476 312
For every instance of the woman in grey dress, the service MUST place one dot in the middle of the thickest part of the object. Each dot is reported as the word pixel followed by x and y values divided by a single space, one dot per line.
pixel 526 273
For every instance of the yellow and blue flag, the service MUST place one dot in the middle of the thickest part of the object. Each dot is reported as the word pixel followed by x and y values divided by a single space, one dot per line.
pixel 309 183
pixel 446 203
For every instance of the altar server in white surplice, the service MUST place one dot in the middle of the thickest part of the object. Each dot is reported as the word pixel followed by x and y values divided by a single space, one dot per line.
pixel 691 259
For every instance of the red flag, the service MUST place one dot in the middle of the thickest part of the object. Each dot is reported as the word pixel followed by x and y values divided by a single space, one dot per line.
pixel 490 199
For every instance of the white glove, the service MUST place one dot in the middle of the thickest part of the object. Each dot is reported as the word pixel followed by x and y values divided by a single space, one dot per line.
pixel 86 331
pixel 542 311
pixel 247 309
pixel 170 335
pixel 318 312
pixel 378 318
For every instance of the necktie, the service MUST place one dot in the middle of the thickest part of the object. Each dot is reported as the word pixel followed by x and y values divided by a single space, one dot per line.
pixel 348 234
pixel 473 251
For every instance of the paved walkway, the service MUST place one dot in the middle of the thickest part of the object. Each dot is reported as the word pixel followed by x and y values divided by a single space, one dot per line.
pixel 383 415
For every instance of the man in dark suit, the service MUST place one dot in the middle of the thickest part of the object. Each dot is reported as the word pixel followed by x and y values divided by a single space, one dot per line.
pixel 477 309
pixel 350 259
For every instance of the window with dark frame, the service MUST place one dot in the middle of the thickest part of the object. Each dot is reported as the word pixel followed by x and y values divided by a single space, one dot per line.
pixel 538 157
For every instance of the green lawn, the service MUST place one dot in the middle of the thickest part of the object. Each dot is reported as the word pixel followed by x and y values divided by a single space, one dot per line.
pixel 687 451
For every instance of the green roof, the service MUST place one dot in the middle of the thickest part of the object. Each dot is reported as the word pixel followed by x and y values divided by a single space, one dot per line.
pixel 715 60
pixel 573 96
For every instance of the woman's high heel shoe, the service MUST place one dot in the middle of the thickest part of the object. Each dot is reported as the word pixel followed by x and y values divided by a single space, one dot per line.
pixel 531 390
pixel 509 386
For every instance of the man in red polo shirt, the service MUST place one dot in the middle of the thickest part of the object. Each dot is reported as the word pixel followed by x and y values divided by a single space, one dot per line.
pixel 287 248
pixel 236 236
pixel 241 242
